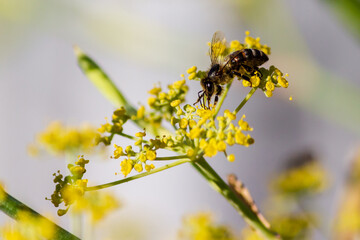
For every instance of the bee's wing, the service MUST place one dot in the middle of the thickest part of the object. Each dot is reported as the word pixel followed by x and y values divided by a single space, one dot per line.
pixel 217 47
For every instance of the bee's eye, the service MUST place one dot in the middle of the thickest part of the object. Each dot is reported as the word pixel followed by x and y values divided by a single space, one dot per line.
pixel 209 87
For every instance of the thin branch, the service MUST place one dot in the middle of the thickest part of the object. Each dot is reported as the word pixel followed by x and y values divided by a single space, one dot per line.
pixel 156 170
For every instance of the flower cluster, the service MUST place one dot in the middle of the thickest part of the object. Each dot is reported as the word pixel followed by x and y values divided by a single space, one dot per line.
pixel 70 188
pixel 96 204
pixel 118 119
pixel 202 226
pixel 59 139
pixel 138 159
pixel 310 177
pixel 206 136
pixel 163 103
pixel 266 79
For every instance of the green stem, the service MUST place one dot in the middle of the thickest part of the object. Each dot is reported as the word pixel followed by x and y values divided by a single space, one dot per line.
pixel 171 158
pixel 242 208
pixel 128 136
pixel 12 207
pixel 247 97
pixel 156 170
pixel 222 98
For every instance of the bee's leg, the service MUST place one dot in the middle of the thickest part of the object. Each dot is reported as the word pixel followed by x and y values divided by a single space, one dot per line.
pixel 242 76
pixel 218 93
pixel 259 74
pixel 249 70
pixel 200 96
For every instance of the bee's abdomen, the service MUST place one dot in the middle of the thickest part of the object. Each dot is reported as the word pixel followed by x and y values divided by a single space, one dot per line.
pixel 249 57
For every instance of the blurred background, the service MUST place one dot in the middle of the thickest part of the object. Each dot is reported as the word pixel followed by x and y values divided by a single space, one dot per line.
pixel 141 43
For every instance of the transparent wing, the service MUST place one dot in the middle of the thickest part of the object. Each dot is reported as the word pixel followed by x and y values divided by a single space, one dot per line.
pixel 217 47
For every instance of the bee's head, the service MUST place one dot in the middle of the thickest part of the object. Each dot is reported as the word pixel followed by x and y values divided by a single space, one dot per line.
pixel 209 89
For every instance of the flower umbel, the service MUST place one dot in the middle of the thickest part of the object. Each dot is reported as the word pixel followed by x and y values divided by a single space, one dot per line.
pixel 71 188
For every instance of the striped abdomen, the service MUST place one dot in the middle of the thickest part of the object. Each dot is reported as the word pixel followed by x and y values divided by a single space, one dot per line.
pixel 248 57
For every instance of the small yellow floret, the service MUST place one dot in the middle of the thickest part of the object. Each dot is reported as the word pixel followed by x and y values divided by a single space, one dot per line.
pixel 229 115
pixel 190 152
pixel 268 93
pixel 178 84
pixel 149 167
pixel 150 155
pixel 221 146
pixel 175 103
pixel 231 157
pixel 155 91
pixel 192 76
pixel 194 133
pixel 283 82
pixel 270 86
pixel 138 167
pixel 118 152
pixel 290 98
pixel 140 134
pixel 192 70
pixel 183 123
pixel 211 148
pixel 151 101
pixel 126 166
pixel 255 81
pixel 246 83
pixel 162 96
pixel 140 112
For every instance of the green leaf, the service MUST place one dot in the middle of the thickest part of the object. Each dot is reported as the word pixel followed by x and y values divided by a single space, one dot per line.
pixel 101 81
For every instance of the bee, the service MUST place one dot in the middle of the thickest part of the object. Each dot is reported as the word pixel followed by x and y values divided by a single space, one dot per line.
pixel 242 64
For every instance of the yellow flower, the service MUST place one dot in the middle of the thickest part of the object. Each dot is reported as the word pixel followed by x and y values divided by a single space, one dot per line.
pixel 192 70
pixel 231 157
pixel 190 152
pixel 192 76
pixel 126 166
pixel 138 167
pixel 282 82
pixel 183 123
pixel 246 83
pixel 97 204
pixel 230 139
pixel 194 133
pixel 151 155
pixel 201 226
pixel 211 148
pixel 178 84
pixel 221 146
pixel 140 134
pixel 270 86
pixel 140 112
pixel 162 96
pixel 255 81
pixel 229 114
pixel 155 91
pixel 58 139
pixel 244 126
pixel 142 157
pixel 268 93
pixel 149 167
pixel 240 138
pixel 175 103
pixel 151 101
pixel 118 151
